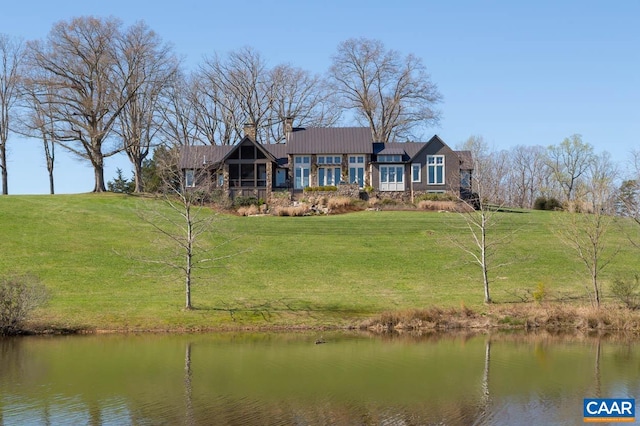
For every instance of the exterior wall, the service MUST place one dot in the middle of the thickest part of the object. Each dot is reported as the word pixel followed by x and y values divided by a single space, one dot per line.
pixel 451 169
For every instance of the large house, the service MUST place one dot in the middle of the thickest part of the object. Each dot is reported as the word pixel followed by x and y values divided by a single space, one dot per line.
pixel 345 157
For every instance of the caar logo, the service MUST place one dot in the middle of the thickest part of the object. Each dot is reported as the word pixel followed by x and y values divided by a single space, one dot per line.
pixel 609 410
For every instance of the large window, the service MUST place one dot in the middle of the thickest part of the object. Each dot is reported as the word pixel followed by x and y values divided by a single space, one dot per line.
pixel 302 166
pixel 248 175
pixel 391 178
pixel 435 169
pixel 356 170
pixel 328 176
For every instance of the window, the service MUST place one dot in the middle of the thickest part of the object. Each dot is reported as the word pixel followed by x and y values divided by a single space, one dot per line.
pixel 281 178
pixel 435 169
pixel 391 178
pixel 356 170
pixel 220 179
pixel 189 178
pixel 465 179
pixel 302 165
pixel 415 172
pixel 329 159
pixel 389 158
pixel 328 176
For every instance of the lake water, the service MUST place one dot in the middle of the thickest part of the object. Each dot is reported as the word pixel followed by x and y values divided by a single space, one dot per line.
pixel 288 379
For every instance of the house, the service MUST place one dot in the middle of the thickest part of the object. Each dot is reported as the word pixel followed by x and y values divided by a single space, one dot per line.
pixel 345 157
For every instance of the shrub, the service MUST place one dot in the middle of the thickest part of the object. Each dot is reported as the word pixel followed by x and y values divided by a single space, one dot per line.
pixel 626 290
pixel 540 293
pixel 292 211
pixel 436 196
pixel 248 211
pixel 19 296
pixel 338 202
pixel 320 188
pixel 544 203
pixel 241 201
pixel 450 206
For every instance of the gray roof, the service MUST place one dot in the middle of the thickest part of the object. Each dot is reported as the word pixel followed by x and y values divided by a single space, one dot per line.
pixel 466 160
pixel 331 140
pixel 195 156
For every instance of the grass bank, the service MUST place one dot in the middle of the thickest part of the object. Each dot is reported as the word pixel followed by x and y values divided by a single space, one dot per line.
pixel 93 253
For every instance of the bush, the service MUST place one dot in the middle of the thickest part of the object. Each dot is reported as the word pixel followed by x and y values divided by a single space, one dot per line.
pixel 19 296
pixel 626 290
pixel 245 201
pixel 327 188
pixel 544 203
pixel 435 196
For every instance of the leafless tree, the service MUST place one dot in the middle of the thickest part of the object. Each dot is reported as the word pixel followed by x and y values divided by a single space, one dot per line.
pixel 146 66
pixel 589 217
pixel 527 170
pixel 80 59
pixel 37 120
pixel 11 68
pixel 391 94
pixel 196 234
pixel 301 97
pixel 241 88
pixel 481 213
pixel 178 113
pixel 568 162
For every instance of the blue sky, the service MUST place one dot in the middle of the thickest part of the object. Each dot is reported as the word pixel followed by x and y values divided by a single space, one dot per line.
pixel 516 73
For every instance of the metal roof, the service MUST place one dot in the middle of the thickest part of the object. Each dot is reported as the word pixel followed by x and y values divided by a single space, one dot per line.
pixel 331 140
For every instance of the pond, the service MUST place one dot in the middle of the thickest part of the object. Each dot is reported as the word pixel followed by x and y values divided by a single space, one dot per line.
pixel 290 379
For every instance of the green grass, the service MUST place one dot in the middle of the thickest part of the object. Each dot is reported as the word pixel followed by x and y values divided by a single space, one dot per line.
pixel 90 251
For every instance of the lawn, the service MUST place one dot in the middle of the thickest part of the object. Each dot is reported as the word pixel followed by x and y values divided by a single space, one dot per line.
pixel 95 255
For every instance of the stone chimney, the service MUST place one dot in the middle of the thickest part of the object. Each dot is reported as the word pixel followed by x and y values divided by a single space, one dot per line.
pixel 250 130
pixel 288 127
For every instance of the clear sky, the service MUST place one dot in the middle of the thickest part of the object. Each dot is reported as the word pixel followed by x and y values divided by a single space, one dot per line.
pixel 514 72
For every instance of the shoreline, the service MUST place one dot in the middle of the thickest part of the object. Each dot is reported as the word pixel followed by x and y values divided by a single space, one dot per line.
pixel 553 317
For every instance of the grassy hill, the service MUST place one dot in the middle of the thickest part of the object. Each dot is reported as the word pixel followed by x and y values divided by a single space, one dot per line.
pixel 96 255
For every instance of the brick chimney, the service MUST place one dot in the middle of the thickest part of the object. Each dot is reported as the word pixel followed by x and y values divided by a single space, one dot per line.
pixel 250 130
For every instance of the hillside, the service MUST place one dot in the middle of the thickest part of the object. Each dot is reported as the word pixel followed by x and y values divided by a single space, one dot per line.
pixel 96 255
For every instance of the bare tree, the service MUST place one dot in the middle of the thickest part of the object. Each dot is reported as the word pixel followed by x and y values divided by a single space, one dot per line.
pixel 80 60
pixel 241 88
pixel 585 225
pixel 481 214
pixel 11 63
pixel 195 232
pixel 568 162
pixel 526 174
pixel 37 121
pixel 392 95
pixel 145 67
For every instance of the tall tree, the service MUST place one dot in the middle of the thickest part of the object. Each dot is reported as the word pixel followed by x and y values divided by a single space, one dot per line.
pixel 241 88
pixel 568 162
pixel 37 122
pixel 526 174
pixel 11 62
pixel 391 94
pixel 80 58
pixel 145 67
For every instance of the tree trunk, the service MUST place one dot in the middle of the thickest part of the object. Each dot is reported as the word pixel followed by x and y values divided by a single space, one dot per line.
pixel 51 187
pixel 137 175
pixel 3 166
pixel 485 274
pixel 98 170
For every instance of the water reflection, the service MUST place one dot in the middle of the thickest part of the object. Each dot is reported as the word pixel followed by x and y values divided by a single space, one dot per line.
pixel 272 379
